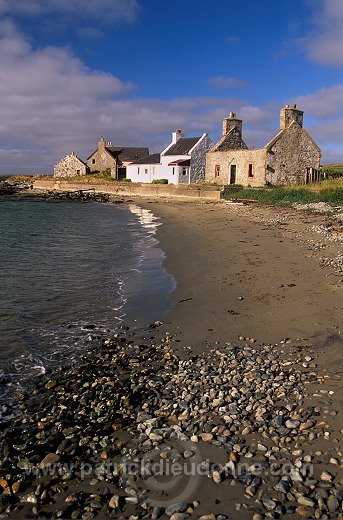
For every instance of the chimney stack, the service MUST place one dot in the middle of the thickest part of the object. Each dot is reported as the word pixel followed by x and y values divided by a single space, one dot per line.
pixel 101 144
pixel 288 115
pixel 231 122
pixel 177 135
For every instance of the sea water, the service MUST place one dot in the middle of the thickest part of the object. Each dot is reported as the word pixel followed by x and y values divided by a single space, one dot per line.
pixel 68 269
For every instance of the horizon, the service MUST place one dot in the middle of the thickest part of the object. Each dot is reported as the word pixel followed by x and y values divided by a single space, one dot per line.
pixel 134 72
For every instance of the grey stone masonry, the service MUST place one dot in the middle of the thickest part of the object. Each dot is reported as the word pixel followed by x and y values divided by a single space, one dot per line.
pixel 70 166
pixel 291 157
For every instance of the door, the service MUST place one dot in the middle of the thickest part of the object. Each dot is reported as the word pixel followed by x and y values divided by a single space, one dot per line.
pixel 233 174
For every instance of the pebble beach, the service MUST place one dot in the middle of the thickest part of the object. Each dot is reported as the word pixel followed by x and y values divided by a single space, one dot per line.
pixel 228 407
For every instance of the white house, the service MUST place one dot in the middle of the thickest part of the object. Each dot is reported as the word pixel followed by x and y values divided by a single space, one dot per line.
pixel 182 162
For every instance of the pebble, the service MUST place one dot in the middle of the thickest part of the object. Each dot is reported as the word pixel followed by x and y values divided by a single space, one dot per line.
pixel 131 401
pixel 178 507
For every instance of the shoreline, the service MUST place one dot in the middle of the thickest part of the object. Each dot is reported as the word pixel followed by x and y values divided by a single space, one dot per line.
pixel 257 396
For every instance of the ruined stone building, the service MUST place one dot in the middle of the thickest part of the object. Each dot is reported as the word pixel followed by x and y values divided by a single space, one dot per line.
pixel 114 158
pixel 291 157
pixel 70 166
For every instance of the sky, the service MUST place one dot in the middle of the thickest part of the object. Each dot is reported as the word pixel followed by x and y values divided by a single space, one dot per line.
pixel 133 71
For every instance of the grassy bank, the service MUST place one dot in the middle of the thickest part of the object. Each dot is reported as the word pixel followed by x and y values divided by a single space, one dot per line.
pixel 329 191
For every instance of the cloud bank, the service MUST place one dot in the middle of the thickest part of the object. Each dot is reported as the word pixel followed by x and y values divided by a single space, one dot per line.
pixel 53 104
pixel 325 44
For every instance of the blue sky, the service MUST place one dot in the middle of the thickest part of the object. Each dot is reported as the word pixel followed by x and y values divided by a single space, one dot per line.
pixel 135 70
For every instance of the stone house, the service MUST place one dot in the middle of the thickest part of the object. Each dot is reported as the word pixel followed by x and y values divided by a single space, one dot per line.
pixel 291 157
pixel 70 166
pixel 181 162
pixel 114 158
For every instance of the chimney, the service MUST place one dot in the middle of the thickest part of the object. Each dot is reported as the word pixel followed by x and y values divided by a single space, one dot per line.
pixel 288 115
pixel 231 122
pixel 101 144
pixel 177 135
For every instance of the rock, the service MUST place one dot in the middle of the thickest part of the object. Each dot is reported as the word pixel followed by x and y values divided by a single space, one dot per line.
pixel 179 516
pixel 217 477
pixel 269 504
pixel 178 507
pixel 25 464
pixel 295 475
pixel 157 512
pixel 326 476
pixel 114 502
pixel 304 511
pixel 333 504
pixel 283 486
pixel 292 424
pixel 305 501
pixel 206 437
pixel 51 384
pixel 49 460
pixel 29 498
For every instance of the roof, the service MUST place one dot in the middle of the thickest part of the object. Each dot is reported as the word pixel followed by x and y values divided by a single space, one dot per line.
pixel 271 143
pixel 154 158
pixel 231 141
pixel 180 162
pixel 182 146
pixel 127 153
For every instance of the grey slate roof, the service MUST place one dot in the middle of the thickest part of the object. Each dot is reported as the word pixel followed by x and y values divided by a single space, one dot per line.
pixel 126 153
pixel 182 146
pixel 154 158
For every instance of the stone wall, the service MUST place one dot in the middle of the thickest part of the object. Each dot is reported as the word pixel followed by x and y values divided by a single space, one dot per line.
pixel 290 157
pixel 130 190
pixel 70 166
pixel 198 161
pixel 247 162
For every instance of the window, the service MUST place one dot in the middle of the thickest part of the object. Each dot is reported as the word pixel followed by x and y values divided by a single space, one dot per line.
pixel 146 171
pixel 250 171
pixel 78 172
pixel 217 170
pixel 184 171
pixel 137 170
pixel 93 161
pixel 173 170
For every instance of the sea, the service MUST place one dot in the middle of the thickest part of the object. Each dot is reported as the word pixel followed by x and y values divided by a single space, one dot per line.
pixel 68 270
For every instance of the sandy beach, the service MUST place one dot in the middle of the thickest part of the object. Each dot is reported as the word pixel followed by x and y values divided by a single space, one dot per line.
pixel 250 274
pixel 251 271
pixel 242 380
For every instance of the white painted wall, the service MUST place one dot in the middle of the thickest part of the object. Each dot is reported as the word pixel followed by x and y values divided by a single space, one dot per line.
pixel 174 174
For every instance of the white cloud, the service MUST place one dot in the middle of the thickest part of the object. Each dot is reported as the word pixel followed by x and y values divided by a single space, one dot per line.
pixel 104 10
pixel 325 44
pixel 326 103
pixel 52 104
pixel 225 83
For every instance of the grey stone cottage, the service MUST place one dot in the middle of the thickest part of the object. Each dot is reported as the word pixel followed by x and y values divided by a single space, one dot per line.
pixel 291 157
pixel 114 158
pixel 70 166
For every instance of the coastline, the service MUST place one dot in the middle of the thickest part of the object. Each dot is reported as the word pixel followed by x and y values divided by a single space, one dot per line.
pixel 244 373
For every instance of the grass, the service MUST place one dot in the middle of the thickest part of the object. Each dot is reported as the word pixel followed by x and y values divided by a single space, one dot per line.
pixel 332 171
pixel 329 190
